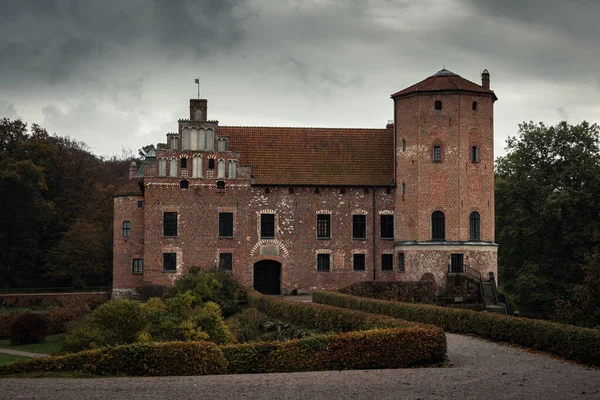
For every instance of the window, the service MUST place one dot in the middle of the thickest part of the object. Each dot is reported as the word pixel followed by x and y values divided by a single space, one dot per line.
pixel 342 190
pixel 232 169
pixel 438 105
pixel 401 265
pixel 140 204
pixel 183 162
pixel 359 227
pixel 437 153
pixel 173 168
pixel 226 224
pixel 457 263
pixel 226 261
pixel 323 226
pixel 403 188
pixel 291 190
pixel 210 140
pixel 317 190
pixel 387 226
pixel 267 225
pixel 185 141
pixel 474 226
pixel 323 262
pixel 367 190
pixel 184 184
pixel 438 228
pixel 474 106
pixel 174 143
pixel 359 262
pixel 162 167
pixel 387 262
pixel 220 184
pixel 267 190
pixel 221 169
pixel 170 224
pixel 221 144
pixel 474 154
pixel 169 261
pixel 403 145
pixel 126 228
pixel 196 167
pixel 137 266
pixel 211 163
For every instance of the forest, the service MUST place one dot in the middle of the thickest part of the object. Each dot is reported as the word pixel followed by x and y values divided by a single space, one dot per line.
pixel 56 215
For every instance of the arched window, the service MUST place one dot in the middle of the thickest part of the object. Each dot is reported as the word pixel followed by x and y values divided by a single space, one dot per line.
pixel 438 226
pixel 231 173
pixel 438 105
pixel 185 143
pixel 162 167
pixel 183 162
pixel 211 163
pixel 221 169
pixel 222 145
pixel 197 167
pixel 475 226
pixel 173 167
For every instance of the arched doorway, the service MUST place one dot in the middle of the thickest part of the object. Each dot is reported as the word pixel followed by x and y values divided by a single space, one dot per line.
pixel 267 277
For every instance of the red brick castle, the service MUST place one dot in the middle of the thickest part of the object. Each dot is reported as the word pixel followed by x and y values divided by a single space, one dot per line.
pixel 309 208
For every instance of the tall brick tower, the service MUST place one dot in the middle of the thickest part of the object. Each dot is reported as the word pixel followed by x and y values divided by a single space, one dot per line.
pixel 444 207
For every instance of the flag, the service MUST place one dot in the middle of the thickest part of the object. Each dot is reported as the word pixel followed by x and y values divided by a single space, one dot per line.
pixel 197 80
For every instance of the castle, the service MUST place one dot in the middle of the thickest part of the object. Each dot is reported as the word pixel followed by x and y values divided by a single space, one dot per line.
pixel 300 209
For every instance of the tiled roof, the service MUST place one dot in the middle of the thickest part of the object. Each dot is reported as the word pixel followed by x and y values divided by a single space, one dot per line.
pixel 131 188
pixel 315 156
pixel 444 80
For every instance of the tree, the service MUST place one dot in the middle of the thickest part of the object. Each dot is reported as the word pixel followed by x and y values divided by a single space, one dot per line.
pixel 547 209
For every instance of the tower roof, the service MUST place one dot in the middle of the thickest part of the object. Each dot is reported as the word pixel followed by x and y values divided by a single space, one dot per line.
pixel 444 81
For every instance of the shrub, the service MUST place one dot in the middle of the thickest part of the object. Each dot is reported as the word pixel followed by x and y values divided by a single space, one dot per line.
pixel 571 342
pixel 82 338
pixel 148 359
pixel 379 348
pixel 248 325
pixel 413 292
pixel 29 328
pixel 217 286
pixel 211 321
pixel 119 321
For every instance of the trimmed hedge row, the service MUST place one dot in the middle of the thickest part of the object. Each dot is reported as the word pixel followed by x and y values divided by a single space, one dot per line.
pixel 412 292
pixel 57 319
pixel 323 317
pixel 377 348
pixel 571 342
pixel 150 359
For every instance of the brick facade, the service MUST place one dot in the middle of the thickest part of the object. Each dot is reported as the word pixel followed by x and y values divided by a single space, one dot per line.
pixel 352 172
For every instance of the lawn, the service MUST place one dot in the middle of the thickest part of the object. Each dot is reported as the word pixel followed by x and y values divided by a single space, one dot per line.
pixel 9 359
pixel 52 345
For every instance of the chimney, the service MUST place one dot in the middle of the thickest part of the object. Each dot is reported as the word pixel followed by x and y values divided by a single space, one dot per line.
pixel 485 79
pixel 132 169
pixel 198 109
pixel 390 124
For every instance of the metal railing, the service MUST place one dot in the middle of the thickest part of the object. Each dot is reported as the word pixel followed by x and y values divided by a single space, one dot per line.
pixel 465 269
pixel 94 289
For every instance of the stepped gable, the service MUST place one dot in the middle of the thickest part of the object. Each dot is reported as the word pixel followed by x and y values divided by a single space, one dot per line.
pixel 443 81
pixel 315 156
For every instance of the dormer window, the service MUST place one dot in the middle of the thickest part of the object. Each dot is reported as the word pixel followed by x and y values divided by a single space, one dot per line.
pixel 438 105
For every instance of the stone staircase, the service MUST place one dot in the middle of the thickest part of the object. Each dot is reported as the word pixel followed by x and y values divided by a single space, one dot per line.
pixel 490 298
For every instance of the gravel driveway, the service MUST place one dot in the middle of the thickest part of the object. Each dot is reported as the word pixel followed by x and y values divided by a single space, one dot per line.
pixel 480 370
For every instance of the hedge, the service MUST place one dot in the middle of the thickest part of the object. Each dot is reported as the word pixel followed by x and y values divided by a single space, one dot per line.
pixel 412 292
pixel 150 359
pixel 377 348
pixel 323 317
pixel 571 342
pixel 57 319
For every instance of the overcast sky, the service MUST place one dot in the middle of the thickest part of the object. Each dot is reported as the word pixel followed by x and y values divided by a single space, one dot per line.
pixel 119 73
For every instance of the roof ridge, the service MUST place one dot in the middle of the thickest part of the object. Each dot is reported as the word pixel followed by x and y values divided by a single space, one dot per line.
pixel 303 127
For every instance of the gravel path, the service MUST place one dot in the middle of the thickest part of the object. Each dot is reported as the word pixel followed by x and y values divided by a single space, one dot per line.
pixel 22 353
pixel 479 370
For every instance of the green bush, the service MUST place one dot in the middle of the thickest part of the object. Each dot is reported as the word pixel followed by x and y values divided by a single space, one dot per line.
pixel 247 326
pixel 571 342
pixel 119 321
pixel 29 328
pixel 152 359
pixel 378 348
pixel 412 292
pixel 216 285
pixel 210 320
